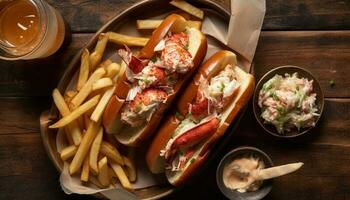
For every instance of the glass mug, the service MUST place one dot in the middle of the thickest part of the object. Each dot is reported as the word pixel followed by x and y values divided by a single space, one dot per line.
pixel 29 29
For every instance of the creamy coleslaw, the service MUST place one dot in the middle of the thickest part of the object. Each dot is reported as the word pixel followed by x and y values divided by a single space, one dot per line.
pixel 287 102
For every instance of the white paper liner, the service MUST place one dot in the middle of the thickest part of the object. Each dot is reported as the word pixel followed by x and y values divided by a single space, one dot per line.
pixel 241 35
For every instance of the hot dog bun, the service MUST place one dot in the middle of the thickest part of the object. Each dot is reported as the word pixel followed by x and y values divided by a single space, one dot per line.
pixel 197 47
pixel 209 69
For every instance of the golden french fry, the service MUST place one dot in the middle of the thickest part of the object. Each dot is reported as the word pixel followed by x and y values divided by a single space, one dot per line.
pixel 68 152
pixel 111 173
pixel 111 152
pixel 73 128
pixel 94 151
pixel 84 147
pixel 102 83
pixel 112 70
pixel 86 120
pixel 95 59
pixel 194 24
pixel 84 176
pixel 103 175
pixel 126 40
pixel 183 5
pixel 148 23
pixel 101 43
pixel 87 88
pixel 105 63
pixel 118 170
pixel 84 69
pixel 69 95
pixel 95 181
pixel 68 134
pixel 130 168
pixel 96 115
pixel 76 113
pixel 153 24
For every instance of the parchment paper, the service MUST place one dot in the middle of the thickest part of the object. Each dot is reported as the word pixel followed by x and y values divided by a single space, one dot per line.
pixel 241 35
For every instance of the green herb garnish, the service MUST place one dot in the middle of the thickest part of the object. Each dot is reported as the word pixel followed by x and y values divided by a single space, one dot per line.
pixel 280 110
pixel 154 59
pixel 274 95
pixel 138 108
pixel 178 115
pixel 222 87
pixel 186 46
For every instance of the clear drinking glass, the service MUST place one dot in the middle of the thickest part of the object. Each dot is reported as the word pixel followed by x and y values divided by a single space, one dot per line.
pixel 29 29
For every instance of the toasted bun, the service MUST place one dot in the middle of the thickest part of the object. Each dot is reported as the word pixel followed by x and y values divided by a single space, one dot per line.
pixel 110 118
pixel 175 23
pixel 197 48
pixel 154 161
pixel 230 112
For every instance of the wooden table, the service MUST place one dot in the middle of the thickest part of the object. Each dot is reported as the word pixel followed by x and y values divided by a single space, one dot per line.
pixel 312 34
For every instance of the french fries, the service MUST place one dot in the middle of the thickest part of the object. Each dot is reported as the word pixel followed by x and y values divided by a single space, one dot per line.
pixel 153 24
pixel 84 69
pixel 95 181
pixel 69 96
pixel 73 128
pixel 111 152
pixel 85 170
pixel 87 88
pixel 68 152
pixel 112 70
pixel 96 56
pixel 76 113
pixel 148 24
pixel 96 115
pixel 126 40
pixel 130 168
pixel 84 147
pixel 118 170
pixel 105 63
pixel 94 151
pixel 101 43
pixel 183 5
pixel 102 83
pixel 103 175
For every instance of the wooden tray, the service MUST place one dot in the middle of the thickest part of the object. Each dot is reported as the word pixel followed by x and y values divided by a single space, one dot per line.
pixel 137 11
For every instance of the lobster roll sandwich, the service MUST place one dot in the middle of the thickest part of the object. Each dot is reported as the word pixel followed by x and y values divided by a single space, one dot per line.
pixel 152 79
pixel 219 90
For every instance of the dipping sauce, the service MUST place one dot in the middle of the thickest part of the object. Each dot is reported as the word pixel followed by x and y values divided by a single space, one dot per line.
pixel 238 174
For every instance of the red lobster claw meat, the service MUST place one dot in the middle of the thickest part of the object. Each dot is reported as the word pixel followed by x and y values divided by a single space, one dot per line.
pixel 135 65
pixel 196 135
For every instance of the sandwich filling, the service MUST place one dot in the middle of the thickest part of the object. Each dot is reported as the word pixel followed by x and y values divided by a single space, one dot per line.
pixel 202 121
pixel 154 79
pixel 212 94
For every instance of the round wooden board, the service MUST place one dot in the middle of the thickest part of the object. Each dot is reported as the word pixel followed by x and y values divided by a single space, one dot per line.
pixel 137 11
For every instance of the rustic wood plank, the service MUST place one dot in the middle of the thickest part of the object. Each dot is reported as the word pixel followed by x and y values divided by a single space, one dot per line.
pixel 89 16
pixel 325 53
pixel 38 77
pixel 23 158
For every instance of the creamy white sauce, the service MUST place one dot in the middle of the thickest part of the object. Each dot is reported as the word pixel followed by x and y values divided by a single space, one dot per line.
pixel 238 174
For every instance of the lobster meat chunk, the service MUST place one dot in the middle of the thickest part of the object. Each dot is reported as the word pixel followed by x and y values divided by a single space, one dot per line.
pixel 196 135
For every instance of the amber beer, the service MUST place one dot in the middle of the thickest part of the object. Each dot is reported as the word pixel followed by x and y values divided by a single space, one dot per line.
pixel 29 29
